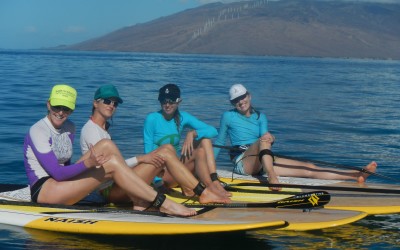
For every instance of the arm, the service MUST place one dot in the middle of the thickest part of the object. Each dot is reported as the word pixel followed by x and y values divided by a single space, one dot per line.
pixel 263 124
pixel 56 171
pixel 202 129
pixel 223 132
pixel 148 134
pixel 39 141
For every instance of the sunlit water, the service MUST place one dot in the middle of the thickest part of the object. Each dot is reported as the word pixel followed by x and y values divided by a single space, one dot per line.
pixel 343 111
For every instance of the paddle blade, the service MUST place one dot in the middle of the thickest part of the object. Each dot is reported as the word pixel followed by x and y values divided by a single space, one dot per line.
pixel 301 201
pixel 305 200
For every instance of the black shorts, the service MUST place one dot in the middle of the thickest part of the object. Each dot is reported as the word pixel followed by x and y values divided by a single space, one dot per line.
pixel 35 189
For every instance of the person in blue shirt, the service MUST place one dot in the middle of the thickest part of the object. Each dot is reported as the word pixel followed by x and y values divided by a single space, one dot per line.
pixel 247 129
pixel 166 127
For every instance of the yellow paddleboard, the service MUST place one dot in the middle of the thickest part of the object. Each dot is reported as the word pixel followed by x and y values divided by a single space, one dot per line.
pixel 124 222
pixel 357 198
pixel 300 216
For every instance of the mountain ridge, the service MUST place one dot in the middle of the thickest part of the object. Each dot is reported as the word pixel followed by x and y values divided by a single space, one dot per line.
pixel 264 28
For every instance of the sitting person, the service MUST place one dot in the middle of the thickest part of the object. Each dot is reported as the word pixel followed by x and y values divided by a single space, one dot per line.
pixel 248 129
pixel 54 179
pixel 105 102
pixel 166 127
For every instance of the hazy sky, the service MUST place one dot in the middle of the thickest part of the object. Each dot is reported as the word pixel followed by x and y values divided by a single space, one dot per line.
pixel 26 24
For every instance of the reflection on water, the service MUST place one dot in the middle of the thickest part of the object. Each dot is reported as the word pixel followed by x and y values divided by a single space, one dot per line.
pixel 39 239
pixel 366 233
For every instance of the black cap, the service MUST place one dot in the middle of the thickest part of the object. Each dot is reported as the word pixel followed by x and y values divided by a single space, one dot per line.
pixel 169 91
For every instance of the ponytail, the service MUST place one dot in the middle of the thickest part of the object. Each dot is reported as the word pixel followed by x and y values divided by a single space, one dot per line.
pixel 177 119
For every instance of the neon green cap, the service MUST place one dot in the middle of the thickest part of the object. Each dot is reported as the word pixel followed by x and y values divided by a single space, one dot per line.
pixel 63 95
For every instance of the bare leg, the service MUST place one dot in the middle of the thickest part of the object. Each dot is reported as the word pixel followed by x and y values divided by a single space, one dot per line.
pixel 293 168
pixel 197 162
pixel 69 192
pixel 178 173
pixel 268 165
pixel 206 144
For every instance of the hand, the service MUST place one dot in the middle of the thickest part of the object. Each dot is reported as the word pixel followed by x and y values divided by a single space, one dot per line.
pixel 95 160
pixel 267 137
pixel 187 148
pixel 152 158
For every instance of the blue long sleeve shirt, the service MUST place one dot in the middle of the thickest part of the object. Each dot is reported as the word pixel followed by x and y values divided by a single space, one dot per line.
pixel 159 131
pixel 240 129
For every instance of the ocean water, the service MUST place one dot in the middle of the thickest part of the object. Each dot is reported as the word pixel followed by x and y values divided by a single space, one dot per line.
pixel 343 111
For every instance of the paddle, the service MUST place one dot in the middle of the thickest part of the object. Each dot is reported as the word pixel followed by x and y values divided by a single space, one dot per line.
pixel 316 162
pixel 315 199
pixel 231 187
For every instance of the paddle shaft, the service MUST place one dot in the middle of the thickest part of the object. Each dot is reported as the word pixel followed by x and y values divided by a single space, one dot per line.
pixel 231 187
pixel 308 200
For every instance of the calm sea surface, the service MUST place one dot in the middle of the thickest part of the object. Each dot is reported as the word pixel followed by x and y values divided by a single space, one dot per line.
pixel 344 111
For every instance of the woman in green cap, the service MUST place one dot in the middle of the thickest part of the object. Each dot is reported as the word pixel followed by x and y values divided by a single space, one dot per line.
pixel 54 179
pixel 105 103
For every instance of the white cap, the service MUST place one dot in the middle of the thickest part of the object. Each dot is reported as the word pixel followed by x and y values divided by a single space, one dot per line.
pixel 236 91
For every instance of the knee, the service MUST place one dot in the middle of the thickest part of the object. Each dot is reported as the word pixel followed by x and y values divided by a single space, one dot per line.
pixel 105 143
pixel 166 149
pixel 200 152
pixel 206 142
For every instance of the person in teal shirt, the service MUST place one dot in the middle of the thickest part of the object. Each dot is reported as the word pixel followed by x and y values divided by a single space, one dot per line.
pixel 166 127
pixel 247 130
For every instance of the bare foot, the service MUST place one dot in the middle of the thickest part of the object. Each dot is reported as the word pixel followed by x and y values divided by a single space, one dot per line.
pixel 173 208
pixel 208 196
pixel 371 167
pixel 274 180
pixel 141 205
pixel 220 189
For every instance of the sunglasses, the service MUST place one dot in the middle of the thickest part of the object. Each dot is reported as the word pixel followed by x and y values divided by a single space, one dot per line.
pixel 169 101
pixel 238 99
pixel 108 102
pixel 64 109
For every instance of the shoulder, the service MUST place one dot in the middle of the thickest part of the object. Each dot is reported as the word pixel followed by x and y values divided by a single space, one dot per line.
pixel 39 127
pixel 229 114
pixel 185 114
pixel 89 127
pixel 263 116
pixel 154 116
pixel 86 125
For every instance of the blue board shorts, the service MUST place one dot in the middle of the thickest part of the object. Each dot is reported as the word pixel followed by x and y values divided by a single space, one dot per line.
pixel 238 166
